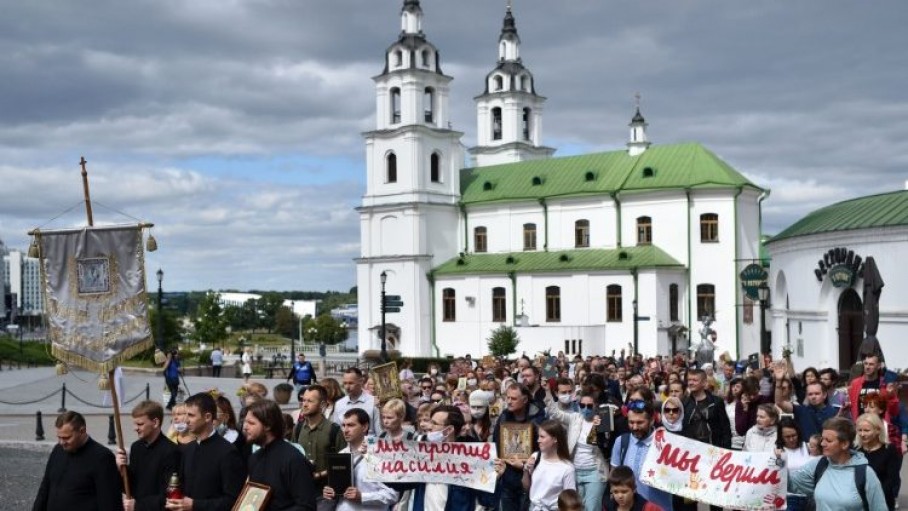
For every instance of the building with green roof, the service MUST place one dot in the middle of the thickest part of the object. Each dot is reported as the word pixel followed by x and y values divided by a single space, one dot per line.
pixel 582 254
pixel 819 280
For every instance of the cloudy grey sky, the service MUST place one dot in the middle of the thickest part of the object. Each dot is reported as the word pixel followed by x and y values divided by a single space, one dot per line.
pixel 234 125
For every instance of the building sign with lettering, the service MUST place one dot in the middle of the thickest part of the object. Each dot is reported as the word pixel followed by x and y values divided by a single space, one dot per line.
pixel 752 277
pixel 841 266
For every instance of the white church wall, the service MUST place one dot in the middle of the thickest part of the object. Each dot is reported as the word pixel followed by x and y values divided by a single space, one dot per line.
pixel 564 213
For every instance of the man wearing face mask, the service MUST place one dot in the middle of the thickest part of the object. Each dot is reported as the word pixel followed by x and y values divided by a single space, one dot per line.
pixel 565 395
pixel 445 423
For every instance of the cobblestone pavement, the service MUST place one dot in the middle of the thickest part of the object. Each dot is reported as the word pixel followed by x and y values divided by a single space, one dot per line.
pixel 21 470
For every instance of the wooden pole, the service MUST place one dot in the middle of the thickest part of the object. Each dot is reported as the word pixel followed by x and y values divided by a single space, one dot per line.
pixel 116 406
pixel 110 376
pixel 91 220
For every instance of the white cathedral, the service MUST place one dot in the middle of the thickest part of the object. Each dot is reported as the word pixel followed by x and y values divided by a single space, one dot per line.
pixel 582 254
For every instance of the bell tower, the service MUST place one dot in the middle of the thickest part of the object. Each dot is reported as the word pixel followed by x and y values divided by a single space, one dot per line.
pixel 509 112
pixel 409 213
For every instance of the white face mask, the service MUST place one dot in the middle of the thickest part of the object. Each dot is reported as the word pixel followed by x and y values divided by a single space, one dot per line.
pixel 478 412
pixel 180 427
pixel 435 436
pixel 471 382
pixel 433 372
pixel 565 399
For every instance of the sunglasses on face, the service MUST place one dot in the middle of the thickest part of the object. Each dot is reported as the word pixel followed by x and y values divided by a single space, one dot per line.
pixel 636 405
pixel 672 410
pixel 589 406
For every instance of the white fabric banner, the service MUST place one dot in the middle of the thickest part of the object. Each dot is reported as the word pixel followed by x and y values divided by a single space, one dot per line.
pixel 470 464
pixel 721 477
pixel 94 285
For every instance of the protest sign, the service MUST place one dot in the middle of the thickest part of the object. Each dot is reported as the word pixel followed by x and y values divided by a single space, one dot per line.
pixel 721 477
pixel 470 464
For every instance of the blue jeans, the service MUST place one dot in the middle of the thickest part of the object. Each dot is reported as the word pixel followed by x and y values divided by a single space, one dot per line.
pixel 795 502
pixel 590 486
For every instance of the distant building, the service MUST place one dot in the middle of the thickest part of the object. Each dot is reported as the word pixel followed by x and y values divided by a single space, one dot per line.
pixel 301 308
pixel 22 279
pixel 582 254
pixel 817 284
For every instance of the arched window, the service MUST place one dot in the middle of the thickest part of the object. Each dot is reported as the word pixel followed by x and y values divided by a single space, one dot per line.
pixel 496 123
pixel 613 303
pixel 435 168
pixel 398 58
pixel 706 301
pixel 428 100
pixel 529 236
pixel 553 304
pixel 480 240
pixel 523 83
pixel 673 303
pixel 709 228
pixel 644 230
pixel 395 105
pixel 425 58
pixel 448 304
pixel 582 233
pixel 499 82
pixel 526 123
pixel 499 305
pixel 391 168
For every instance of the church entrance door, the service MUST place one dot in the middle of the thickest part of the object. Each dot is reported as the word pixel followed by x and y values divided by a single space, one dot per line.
pixel 851 327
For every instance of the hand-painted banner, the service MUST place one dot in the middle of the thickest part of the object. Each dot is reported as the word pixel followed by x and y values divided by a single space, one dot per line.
pixel 470 464
pixel 716 476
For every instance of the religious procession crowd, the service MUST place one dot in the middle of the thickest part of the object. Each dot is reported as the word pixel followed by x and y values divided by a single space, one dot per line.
pixel 594 419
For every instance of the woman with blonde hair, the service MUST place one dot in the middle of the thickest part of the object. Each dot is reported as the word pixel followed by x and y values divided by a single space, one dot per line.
pixel 334 395
pixel 392 420
pixel 179 431
pixel 883 457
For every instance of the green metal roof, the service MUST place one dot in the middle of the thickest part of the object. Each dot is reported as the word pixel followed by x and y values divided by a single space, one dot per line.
pixel 884 210
pixel 647 256
pixel 677 166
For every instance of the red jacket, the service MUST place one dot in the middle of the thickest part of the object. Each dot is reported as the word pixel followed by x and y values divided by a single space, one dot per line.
pixel 854 396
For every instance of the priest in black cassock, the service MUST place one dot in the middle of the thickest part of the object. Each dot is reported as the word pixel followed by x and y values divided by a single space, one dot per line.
pixel 81 474
pixel 277 463
pixel 152 459
pixel 212 469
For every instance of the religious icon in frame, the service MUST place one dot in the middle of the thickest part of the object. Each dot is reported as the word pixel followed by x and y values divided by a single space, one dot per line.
pixel 254 497
pixel 515 441
pixel 387 382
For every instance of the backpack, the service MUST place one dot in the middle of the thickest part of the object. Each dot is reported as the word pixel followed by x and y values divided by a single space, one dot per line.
pixel 699 429
pixel 860 482
pixel 625 440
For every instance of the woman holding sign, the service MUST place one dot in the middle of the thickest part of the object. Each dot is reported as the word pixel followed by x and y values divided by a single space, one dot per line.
pixel 549 471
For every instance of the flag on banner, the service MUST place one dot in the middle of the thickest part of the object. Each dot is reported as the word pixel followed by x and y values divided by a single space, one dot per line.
pixel 94 287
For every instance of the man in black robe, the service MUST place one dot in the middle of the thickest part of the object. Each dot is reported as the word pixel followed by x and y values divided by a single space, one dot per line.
pixel 277 463
pixel 212 469
pixel 81 474
pixel 152 459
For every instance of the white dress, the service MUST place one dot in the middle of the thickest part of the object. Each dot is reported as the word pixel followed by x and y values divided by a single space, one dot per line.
pixel 247 363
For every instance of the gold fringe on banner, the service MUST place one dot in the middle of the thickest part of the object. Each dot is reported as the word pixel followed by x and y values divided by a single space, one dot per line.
pixel 73 359
pixel 159 357
pixel 61 368
pixel 103 382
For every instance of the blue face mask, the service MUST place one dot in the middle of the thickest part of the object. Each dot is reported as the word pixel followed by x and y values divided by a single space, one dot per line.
pixel 587 413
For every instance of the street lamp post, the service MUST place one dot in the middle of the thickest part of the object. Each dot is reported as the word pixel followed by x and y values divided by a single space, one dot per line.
pixel 636 329
pixel 384 336
pixel 765 340
pixel 292 342
pixel 160 336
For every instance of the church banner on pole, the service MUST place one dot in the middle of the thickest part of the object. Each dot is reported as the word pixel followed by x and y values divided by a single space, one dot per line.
pixel 716 476
pixel 94 285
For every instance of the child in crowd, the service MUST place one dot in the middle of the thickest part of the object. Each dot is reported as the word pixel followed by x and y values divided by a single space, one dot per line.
pixel 569 500
pixel 550 470
pixel 813 445
pixel 623 492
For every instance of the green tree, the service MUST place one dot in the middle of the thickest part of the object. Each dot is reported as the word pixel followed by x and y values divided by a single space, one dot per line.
pixel 173 331
pixel 285 322
pixel 210 324
pixel 269 305
pixel 323 329
pixel 503 341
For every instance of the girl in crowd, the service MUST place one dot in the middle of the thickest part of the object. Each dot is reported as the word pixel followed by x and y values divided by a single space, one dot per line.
pixel 882 456
pixel 226 424
pixel 877 404
pixel 435 373
pixel 745 414
pixel 549 471
pixel 792 449
pixel 424 418
pixel 481 429
pixel 179 432
pixel 808 376
pixel 814 445
pixel 334 395
pixel 762 436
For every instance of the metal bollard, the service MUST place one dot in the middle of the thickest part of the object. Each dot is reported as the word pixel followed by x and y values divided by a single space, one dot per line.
pixel 111 432
pixel 62 400
pixel 147 392
pixel 39 428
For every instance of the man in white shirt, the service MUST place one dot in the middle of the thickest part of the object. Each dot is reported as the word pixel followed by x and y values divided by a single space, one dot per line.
pixel 356 398
pixel 363 495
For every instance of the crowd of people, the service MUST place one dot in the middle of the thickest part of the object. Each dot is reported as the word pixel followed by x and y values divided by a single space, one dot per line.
pixel 594 419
